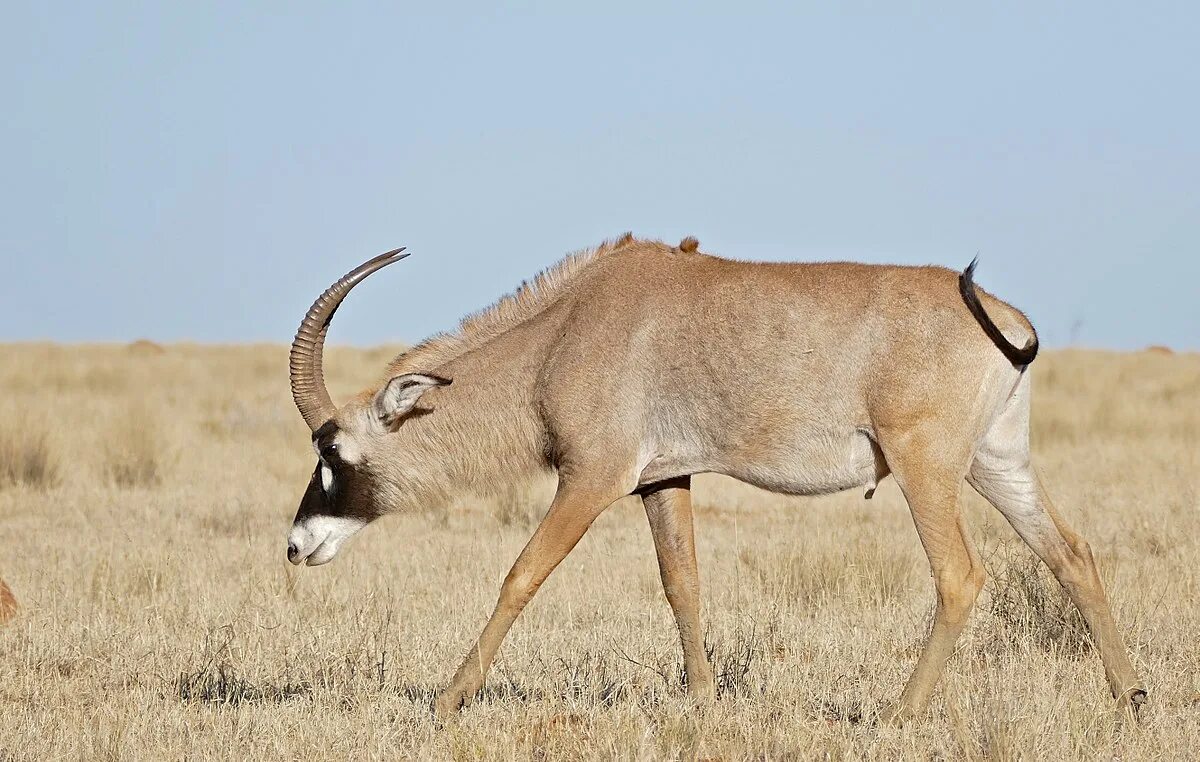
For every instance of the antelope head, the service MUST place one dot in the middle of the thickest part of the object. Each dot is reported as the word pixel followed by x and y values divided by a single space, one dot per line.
pixel 356 445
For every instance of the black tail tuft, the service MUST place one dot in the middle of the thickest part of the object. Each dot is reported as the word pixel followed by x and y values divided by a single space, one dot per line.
pixel 1018 356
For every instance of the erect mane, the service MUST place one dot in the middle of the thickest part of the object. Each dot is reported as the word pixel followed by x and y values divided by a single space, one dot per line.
pixel 531 298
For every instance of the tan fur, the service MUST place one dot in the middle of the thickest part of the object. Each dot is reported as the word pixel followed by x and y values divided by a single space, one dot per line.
pixel 526 302
pixel 8 603
pixel 627 369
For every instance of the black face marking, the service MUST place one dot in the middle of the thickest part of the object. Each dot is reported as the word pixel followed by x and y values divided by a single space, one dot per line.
pixel 316 502
pixel 347 495
pixel 324 435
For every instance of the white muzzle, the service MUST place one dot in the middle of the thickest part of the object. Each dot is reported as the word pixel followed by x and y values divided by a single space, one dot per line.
pixel 317 539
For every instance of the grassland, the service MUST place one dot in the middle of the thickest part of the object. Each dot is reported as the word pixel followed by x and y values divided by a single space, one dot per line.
pixel 145 493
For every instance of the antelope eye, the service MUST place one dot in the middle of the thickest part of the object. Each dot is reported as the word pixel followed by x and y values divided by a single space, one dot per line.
pixel 329 452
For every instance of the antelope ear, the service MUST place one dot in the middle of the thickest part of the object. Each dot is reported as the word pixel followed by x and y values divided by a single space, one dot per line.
pixel 402 393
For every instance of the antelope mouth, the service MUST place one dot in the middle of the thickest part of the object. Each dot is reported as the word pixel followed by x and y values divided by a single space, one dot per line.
pixel 316 540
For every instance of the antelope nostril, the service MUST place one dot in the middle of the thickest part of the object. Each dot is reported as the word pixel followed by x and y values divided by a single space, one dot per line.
pixel 292 551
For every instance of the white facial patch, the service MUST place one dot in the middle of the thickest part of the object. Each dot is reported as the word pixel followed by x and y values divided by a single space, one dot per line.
pixel 326 478
pixel 349 450
pixel 317 539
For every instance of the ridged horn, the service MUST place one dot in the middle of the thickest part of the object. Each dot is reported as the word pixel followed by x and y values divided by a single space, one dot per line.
pixel 305 361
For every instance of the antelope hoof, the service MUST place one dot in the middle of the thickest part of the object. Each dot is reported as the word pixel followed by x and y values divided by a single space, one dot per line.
pixel 702 690
pixel 1130 704
pixel 896 715
pixel 449 703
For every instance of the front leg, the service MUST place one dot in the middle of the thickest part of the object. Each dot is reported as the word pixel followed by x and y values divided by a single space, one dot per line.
pixel 669 510
pixel 576 505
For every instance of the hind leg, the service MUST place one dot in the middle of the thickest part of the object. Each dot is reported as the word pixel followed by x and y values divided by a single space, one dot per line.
pixel 1002 473
pixel 930 474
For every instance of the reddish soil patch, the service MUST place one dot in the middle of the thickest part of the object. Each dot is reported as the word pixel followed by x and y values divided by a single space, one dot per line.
pixel 146 347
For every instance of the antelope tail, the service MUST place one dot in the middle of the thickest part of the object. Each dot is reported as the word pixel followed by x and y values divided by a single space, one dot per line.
pixel 1018 356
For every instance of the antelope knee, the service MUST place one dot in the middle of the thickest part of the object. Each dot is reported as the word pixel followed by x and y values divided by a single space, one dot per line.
pixel 957 591
pixel 1073 561
pixel 518 589
pixel 1082 551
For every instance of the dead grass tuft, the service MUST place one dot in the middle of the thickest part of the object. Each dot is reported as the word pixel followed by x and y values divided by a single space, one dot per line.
pixel 1027 605
pixel 734 662
pixel 135 452
pixel 27 457
pixel 222 686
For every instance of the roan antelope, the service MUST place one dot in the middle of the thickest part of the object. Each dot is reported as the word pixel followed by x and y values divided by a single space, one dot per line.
pixel 631 367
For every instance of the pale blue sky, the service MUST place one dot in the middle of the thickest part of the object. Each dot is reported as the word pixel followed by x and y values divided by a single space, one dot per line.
pixel 202 173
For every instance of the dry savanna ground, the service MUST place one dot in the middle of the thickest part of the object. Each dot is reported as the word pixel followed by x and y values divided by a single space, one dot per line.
pixel 145 493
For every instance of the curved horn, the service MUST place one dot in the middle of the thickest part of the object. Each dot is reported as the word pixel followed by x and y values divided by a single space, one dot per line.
pixel 304 362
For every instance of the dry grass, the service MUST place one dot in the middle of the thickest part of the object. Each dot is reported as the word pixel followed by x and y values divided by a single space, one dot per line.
pixel 135 454
pixel 27 456
pixel 145 496
pixel 1026 606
